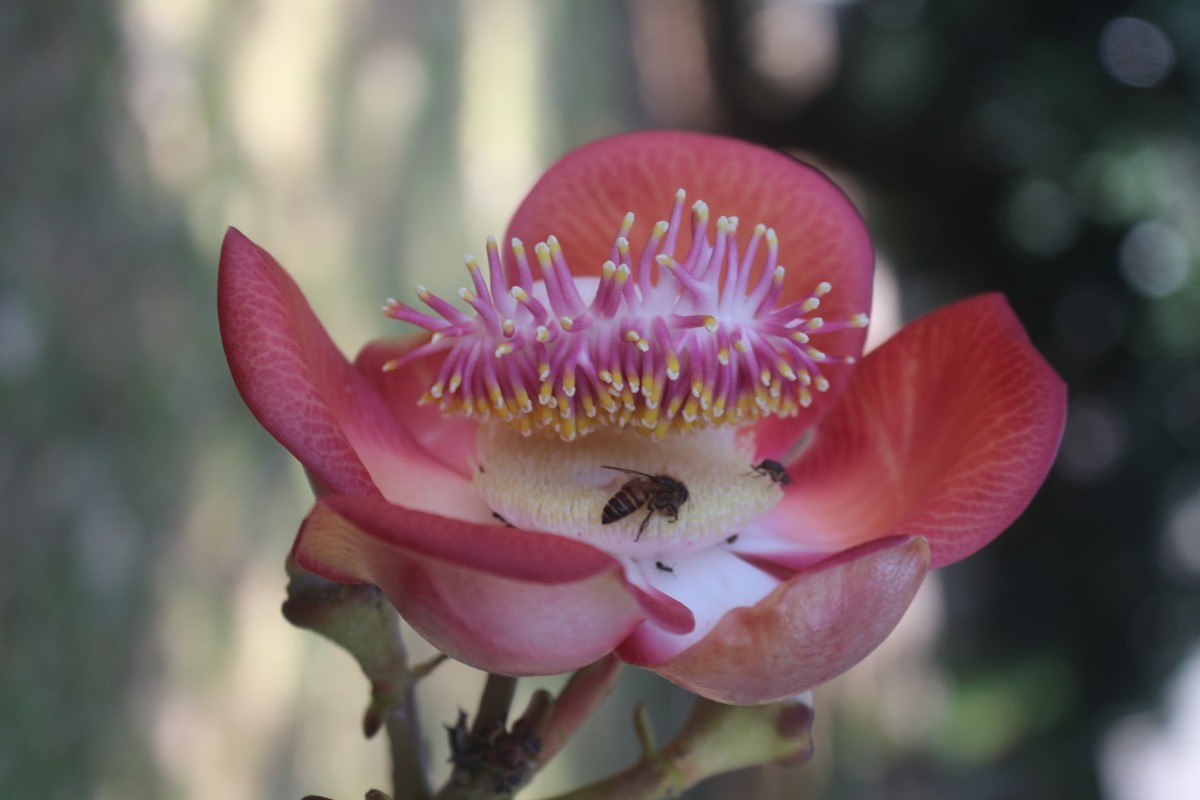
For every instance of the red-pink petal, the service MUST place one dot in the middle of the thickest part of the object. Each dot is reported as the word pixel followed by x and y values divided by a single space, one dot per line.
pixel 450 440
pixel 812 628
pixel 497 598
pixel 305 393
pixel 946 432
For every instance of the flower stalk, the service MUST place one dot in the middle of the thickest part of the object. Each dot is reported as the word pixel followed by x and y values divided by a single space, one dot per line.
pixel 715 739
pixel 359 619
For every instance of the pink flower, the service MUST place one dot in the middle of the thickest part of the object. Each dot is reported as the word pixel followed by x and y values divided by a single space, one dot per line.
pixel 682 351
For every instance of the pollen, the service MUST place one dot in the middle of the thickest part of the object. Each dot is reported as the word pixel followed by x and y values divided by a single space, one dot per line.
pixel 543 485
pixel 667 343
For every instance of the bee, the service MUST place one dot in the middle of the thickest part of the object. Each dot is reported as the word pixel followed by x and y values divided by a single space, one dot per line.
pixel 773 470
pixel 656 492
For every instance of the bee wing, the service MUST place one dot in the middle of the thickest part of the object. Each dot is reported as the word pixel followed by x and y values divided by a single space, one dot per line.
pixel 628 471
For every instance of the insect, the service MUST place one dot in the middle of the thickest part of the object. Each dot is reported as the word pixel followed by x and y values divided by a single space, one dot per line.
pixel 664 567
pixel 773 470
pixel 656 492
pixel 502 519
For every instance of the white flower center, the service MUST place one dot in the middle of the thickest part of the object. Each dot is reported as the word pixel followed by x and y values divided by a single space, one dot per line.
pixel 544 484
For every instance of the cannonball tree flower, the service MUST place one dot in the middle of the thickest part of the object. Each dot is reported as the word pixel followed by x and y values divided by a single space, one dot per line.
pixel 686 307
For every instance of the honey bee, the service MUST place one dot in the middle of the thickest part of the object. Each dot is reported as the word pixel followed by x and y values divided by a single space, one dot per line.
pixel 773 470
pixel 656 492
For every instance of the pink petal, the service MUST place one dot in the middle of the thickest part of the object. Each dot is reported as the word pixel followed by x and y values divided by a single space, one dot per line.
pixel 946 432
pixel 450 440
pixel 810 629
pixel 708 584
pixel 582 198
pixel 497 598
pixel 305 393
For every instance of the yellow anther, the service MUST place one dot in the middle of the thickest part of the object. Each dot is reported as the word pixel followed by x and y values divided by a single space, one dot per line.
pixel 741 345
pixel 503 349
pixel 623 249
pixel 566 323
pixel 811 304
pixel 821 383
pixel 823 288
pixel 785 369
pixel 437 389
pixel 455 382
pixel 815 322
pixel 519 294
pixel 859 320
pixel 508 327
pixel 815 354
pixel 471 264
pixel 689 409
pixel 568 384
pixel 518 247
pixel 723 356
pixel 672 366
pixel 805 397
pixel 764 375
pixel 643 345
pixel 710 324
pixel 555 247
pixel 437 337
pixel 422 292
pixel 543 371
pixel 623 274
pixel 542 334
pixel 466 294
pixel 673 406
pixel 805 378
pixel 608 270
pixel 779 273
pixel 522 398
pixel 496 395
pixel 799 336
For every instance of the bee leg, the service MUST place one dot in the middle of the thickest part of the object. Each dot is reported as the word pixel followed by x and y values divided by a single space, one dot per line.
pixel 645 522
pixel 673 512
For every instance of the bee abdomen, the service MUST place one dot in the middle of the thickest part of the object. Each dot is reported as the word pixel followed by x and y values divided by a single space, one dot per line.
pixel 619 506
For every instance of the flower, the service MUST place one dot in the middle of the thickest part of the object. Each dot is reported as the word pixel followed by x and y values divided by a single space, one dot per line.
pixel 469 473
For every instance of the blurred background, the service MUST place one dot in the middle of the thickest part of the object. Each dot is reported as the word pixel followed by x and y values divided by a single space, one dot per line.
pixel 1047 150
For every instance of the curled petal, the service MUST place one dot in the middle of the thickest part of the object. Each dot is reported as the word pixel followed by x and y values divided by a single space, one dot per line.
pixel 500 599
pixel 305 393
pixel 810 629
pixel 450 440
pixel 946 432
